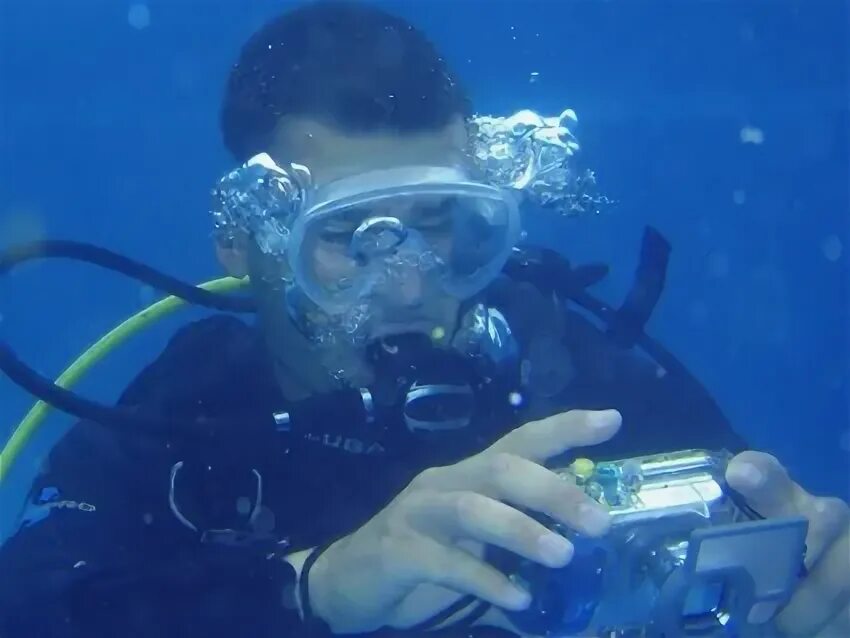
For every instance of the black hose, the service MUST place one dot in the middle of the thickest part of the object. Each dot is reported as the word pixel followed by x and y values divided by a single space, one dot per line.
pixel 74 404
pixel 132 422
pixel 79 251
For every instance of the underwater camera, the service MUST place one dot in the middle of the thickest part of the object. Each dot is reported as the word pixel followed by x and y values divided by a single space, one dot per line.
pixel 684 556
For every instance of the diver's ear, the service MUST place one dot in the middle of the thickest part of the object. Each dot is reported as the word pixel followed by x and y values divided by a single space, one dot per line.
pixel 233 258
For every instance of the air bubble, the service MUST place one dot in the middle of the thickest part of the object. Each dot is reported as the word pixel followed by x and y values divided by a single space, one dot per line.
pixel 832 248
pixel 752 135
pixel 139 16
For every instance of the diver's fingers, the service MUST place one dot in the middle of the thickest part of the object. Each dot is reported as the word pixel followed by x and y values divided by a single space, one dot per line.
pixel 452 516
pixel 824 594
pixel 423 559
pixel 838 626
pixel 541 440
pixel 765 484
pixel 524 484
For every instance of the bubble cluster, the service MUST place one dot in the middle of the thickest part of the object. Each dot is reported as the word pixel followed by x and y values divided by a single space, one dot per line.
pixel 259 200
pixel 535 154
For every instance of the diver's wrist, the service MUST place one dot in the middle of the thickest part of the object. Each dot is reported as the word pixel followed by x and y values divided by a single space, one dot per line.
pixel 292 596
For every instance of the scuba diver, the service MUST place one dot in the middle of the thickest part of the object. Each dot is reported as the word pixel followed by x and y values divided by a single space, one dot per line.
pixel 355 461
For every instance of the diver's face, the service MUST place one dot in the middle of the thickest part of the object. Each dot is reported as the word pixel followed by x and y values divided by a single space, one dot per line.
pixel 411 303
pixel 429 217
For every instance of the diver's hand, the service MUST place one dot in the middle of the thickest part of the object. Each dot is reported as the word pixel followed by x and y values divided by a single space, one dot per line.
pixel 819 607
pixel 424 550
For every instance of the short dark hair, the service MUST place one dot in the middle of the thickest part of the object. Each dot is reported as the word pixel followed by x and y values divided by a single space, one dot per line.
pixel 346 64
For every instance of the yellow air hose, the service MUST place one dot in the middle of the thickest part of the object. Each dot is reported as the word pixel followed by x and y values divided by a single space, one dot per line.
pixel 25 430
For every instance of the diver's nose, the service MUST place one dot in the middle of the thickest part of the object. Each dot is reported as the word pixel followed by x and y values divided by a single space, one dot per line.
pixel 409 288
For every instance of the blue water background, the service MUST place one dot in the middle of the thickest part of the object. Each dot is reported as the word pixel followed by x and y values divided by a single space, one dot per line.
pixel 722 123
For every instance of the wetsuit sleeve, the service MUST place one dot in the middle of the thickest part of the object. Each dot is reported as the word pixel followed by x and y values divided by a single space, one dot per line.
pixel 98 553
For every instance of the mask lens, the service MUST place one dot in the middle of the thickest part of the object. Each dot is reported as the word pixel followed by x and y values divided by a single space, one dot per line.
pixel 481 232
pixel 348 251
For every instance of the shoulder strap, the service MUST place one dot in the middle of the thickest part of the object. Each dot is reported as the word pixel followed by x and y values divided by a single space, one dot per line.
pixel 552 273
pixel 628 322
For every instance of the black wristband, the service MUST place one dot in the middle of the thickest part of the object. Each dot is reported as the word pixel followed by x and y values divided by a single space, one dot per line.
pixel 434 621
pixel 480 609
pixel 315 626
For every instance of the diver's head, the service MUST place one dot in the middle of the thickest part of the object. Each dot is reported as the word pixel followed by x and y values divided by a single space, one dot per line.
pixel 355 94
pixel 341 67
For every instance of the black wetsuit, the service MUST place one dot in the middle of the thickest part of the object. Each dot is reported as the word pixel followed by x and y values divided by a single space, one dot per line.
pixel 117 555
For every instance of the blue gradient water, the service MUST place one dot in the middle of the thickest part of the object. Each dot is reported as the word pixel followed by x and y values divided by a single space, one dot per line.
pixel 724 123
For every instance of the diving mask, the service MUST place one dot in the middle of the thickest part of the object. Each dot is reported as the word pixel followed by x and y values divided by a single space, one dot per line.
pixel 405 230
pixel 401 232
pixel 388 233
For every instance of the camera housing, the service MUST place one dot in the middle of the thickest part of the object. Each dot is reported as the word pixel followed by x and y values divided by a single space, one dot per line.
pixel 684 556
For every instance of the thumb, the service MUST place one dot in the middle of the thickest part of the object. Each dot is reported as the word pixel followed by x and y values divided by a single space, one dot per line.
pixel 771 492
pixel 762 480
